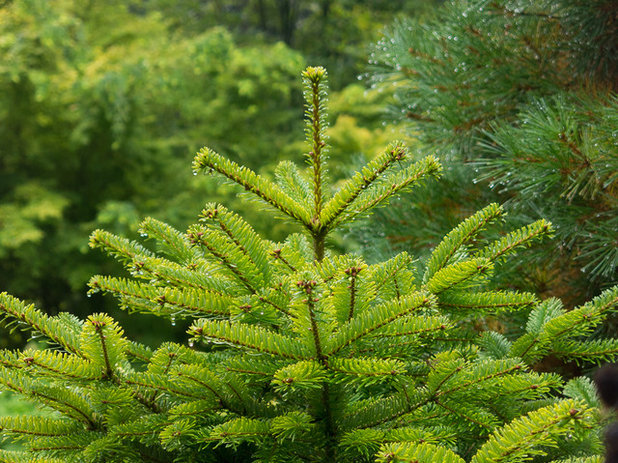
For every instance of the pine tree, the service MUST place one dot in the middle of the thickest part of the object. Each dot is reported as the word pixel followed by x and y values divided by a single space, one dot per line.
pixel 520 96
pixel 299 354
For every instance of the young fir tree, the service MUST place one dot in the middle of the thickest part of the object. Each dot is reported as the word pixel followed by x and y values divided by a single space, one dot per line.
pixel 521 95
pixel 297 354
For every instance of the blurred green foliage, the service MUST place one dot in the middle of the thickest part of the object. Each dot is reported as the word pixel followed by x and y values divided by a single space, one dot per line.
pixel 333 33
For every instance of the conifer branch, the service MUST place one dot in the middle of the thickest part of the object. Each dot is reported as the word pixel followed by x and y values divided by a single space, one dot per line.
pixel 384 409
pixel 475 380
pixel 371 320
pixel 519 238
pixel 98 326
pixel 456 238
pixel 14 456
pixel 252 337
pixel 166 369
pixel 61 364
pixel 123 249
pixel 39 426
pixel 274 305
pixel 397 291
pixel 267 191
pixel 416 452
pixel 136 379
pixel 173 243
pixel 206 240
pixel 56 447
pixel 314 79
pixel 384 272
pixel 352 273
pixel 457 412
pixel 457 275
pixel 172 274
pixel 103 344
pixel 522 437
pixel 496 301
pixel 139 351
pixel 276 253
pixel 605 350
pixel 307 287
pixel 155 299
pixel 240 233
pixel 213 390
pixel 361 180
pixel 381 192
pixel 65 405
pixel 414 326
pixel 38 321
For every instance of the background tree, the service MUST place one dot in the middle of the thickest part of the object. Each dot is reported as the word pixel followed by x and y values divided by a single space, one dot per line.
pixel 521 96
pixel 334 33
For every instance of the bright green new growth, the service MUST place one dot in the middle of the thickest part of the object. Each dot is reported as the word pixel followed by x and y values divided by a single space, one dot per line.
pixel 298 354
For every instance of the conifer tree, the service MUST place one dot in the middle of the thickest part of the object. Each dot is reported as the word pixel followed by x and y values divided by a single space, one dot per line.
pixel 297 354
pixel 519 95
